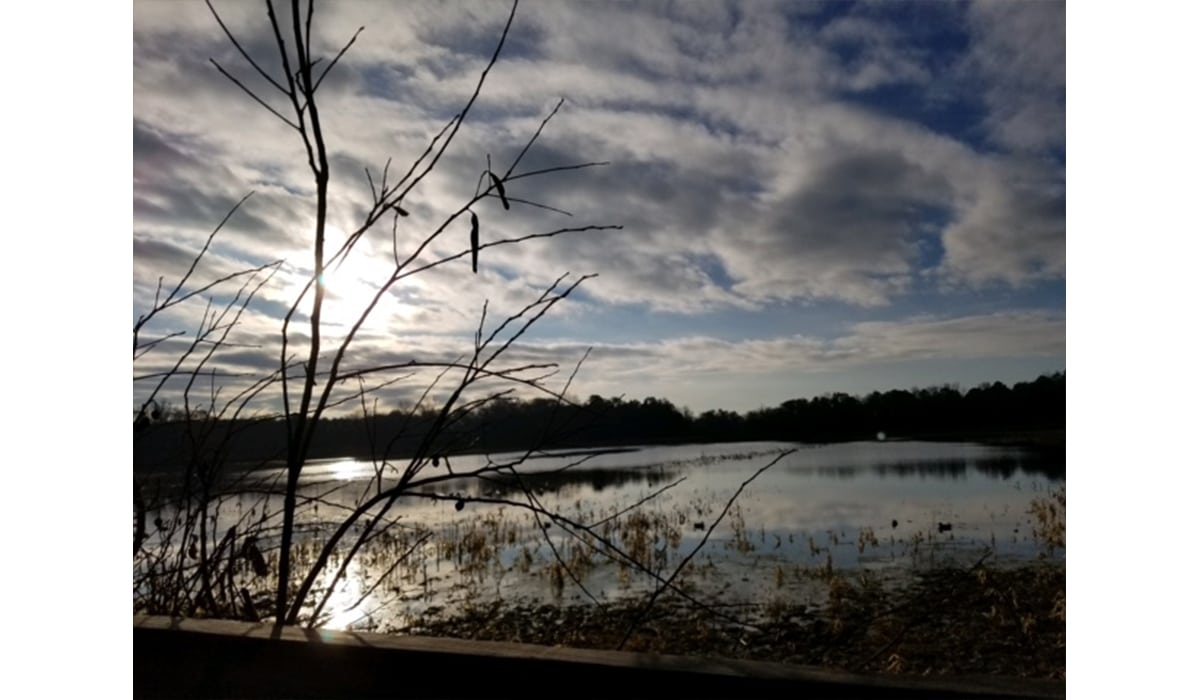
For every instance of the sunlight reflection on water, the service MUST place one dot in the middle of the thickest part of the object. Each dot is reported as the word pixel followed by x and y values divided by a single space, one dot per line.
pixel 347 603
pixel 881 506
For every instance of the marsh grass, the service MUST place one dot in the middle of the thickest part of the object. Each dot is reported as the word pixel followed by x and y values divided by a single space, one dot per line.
pixel 943 619
pixel 503 553
pixel 1050 520
pixel 932 624
pixel 896 608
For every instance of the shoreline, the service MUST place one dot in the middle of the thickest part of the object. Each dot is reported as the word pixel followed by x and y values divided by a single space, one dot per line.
pixel 1045 442
pixel 953 621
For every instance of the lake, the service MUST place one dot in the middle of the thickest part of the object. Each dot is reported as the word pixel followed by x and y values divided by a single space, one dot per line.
pixel 882 508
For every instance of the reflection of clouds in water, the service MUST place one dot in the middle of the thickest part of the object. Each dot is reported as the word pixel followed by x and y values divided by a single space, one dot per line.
pixel 866 487
pixel 843 485
pixel 819 504
pixel 571 482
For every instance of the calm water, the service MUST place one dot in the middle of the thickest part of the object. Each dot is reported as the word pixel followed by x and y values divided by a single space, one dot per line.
pixel 888 508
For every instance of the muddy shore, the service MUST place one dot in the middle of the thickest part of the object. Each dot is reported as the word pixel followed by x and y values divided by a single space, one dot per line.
pixel 969 621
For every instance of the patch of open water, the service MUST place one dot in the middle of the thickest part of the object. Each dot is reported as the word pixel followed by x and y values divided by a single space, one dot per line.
pixel 886 508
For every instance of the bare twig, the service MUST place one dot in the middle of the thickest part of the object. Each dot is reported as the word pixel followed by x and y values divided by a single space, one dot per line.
pixel 684 562
pixel 237 45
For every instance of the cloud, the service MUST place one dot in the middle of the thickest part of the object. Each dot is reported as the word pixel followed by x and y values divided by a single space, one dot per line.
pixel 752 164
pixel 1004 334
pixel 695 144
pixel 874 54
pixel 682 359
pixel 1012 231
pixel 847 230
pixel 1019 51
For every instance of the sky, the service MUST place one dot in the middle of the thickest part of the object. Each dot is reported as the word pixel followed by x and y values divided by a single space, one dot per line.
pixel 813 197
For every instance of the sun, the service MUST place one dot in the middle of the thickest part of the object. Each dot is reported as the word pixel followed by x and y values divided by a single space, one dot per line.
pixel 351 285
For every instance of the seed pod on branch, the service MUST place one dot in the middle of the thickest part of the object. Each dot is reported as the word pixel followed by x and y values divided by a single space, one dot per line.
pixel 499 189
pixel 474 243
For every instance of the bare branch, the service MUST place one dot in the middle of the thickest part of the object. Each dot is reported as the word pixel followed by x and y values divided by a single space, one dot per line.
pixel 191 268
pixel 336 58
pixel 536 134
pixel 233 40
pixel 462 115
pixel 535 204
pixel 504 241
pixel 253 95
pixel 374 197
pixel 557 169
pixel 150 345
pixel 684 562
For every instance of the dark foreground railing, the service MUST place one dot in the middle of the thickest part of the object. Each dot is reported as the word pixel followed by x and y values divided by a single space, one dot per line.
pixel 215 658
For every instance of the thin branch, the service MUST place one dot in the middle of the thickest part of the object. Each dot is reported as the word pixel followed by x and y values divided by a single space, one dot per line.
pixel 146 347
pixel 374 197
pixel 639 503
pixel 396 564
pixel 534 204
pixel 192 268
pixel 336 58
pixel 684 562
pixel 556 169
pixel 233 40
pixel 536 134
pixel 608 548
pixel 462 115
pixel 254 96
pixel 546 304
pixel 362 392
pixel 504 241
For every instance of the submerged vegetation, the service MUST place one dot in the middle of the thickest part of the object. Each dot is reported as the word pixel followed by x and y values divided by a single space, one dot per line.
pixel 949 621
pixel 977 619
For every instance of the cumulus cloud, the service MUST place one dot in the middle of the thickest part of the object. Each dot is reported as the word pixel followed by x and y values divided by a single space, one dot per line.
pixel 752 162
pixel 637 368
pixel 1019 50
pixel 662 91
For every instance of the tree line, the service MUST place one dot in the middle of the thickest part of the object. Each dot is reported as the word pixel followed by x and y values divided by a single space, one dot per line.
pixel 509 424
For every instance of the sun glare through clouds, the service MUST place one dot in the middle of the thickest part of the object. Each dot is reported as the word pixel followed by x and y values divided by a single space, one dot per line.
pixel 352 283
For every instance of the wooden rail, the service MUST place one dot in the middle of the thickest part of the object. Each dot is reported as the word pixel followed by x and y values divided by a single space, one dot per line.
pixel 215 658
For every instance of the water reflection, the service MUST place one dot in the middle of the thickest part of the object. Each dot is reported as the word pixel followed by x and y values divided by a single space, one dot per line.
pixel 566 482
pixel 942 469
pixel 347 605
pixel 873 506
pixel 997 466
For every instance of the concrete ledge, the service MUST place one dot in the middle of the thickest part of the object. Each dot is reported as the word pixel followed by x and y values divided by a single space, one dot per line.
pixel 217 658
